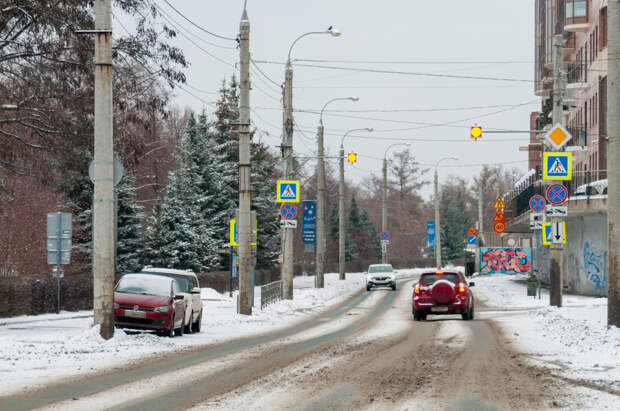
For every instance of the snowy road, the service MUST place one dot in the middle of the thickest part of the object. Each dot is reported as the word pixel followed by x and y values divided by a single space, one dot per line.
pixel 365 352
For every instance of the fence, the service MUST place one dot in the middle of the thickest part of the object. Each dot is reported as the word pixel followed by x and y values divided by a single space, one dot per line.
pixel 270 293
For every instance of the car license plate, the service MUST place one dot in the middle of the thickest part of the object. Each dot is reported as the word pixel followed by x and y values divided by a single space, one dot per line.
pixel 439 309
pixel 135 314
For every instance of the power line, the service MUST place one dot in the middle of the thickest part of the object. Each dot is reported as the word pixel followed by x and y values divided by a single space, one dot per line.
pixel 170 19
pixel 425 62
pixel 197 26
pixel 406 73
pixel 264 75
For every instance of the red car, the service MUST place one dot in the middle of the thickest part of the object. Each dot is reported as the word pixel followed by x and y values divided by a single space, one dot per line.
pixel 144 301
pixel 442 292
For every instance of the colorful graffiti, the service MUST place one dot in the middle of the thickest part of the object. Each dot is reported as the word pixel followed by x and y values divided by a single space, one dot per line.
pixel 595 266
pixel 505 260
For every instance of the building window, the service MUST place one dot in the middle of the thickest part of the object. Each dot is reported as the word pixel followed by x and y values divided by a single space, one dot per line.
pixel 576 11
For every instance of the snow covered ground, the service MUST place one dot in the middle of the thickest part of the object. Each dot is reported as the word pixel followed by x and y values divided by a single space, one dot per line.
pixel 573 341
pixel 38 349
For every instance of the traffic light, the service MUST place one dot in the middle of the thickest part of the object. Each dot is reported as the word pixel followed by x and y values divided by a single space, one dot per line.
pixel 352 157
pixel 476 132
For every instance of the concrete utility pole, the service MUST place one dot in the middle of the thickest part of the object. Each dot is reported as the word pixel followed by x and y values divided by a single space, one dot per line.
pixel 320 215
pixel 613 165
pixel 245 192
pixel 556 250
pixel 287 153
pixel 103 199
pixel 479 226
pixel 341 228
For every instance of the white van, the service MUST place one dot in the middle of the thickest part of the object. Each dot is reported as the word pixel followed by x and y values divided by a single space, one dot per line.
pixel 188 283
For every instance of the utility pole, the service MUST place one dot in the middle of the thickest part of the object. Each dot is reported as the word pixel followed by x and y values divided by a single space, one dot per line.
pixel 556 250
pixel 477 268
pixel 384 211
pixel 341 227
pixel 613 166
pixel 103 199
pixel 437 226
pixel 287 153
pixel 245 224
pixel 320 215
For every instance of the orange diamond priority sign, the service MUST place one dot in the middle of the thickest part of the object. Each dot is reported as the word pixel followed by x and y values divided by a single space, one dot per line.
pixel 557 137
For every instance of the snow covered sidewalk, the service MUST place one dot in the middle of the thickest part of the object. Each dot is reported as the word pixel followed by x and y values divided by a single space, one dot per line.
pixel 38 349
pixel 573 341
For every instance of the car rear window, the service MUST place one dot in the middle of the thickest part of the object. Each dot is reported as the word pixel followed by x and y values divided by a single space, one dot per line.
pixel 143 285
pixel 429 279
pixel 183 280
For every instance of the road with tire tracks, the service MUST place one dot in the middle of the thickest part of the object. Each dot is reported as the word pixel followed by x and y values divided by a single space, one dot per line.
pixel 365 353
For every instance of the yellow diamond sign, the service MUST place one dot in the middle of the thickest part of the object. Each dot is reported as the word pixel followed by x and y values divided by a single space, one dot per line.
pixel 557 137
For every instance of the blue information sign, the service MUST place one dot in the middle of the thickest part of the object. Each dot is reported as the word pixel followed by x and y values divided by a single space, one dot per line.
pixel 471 239
pixel 308 229
pixel 430 233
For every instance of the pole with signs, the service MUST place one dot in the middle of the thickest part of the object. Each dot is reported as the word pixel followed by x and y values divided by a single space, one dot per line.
pixel 59 232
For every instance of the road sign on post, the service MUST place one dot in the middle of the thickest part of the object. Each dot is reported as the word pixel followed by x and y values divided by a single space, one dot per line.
pixel 499 216
pixel 430 233
pixel 308 230
pixel 554 233
pixel 537 203
pixel 557 194
pixel 499 203
pixel 288 211
pixel 557 137
pixel 557 166
pixel 499 227
pixel 288 191
pixel 59 232
pixel 472 239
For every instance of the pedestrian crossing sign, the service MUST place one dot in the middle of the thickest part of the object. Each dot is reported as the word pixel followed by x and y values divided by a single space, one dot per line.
pixel 288 191
pixel 558 166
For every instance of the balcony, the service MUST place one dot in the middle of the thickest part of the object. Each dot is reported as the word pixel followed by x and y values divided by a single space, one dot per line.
pixel 577 75
pixel 576 16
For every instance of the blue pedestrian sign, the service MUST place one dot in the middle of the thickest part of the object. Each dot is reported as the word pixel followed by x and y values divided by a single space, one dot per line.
pixel 557 166
pixel 430 233
pixel 471 239
pixel 288 191
pixel 308 228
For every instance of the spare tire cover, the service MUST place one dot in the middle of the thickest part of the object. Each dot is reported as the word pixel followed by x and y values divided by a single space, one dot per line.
pixel 442 291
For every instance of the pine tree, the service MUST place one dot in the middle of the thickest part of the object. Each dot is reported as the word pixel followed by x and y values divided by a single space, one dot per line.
pixel 350 252
pixel 454 225
pixel 129 226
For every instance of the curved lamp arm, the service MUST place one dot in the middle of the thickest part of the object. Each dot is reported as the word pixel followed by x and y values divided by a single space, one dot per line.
pixel 330 30
pixel 370 129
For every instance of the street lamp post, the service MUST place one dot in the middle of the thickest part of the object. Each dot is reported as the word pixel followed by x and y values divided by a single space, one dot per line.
pixel 341 233
pixel 320 216
pixel 384 208
pixel 287 154
pixel 437 226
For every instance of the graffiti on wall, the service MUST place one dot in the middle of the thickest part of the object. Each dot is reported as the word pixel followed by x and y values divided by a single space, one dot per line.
pixel 505 260
pixel 595 266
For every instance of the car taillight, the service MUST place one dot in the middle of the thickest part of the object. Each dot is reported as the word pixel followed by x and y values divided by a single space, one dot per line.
pixel 416 289
pixel 461 288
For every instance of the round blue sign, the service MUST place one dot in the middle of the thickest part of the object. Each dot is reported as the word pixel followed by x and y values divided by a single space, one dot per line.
pixel 288 211
pixel 471 239
pixel 537 203
pixel 557 194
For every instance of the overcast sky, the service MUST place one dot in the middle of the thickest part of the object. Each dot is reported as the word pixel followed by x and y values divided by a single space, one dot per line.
pixel 476 38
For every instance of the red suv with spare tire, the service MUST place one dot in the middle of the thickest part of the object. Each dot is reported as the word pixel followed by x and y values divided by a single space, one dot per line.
pixel 442 292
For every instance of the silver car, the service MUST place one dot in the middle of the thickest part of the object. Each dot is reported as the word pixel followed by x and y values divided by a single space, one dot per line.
pixel 380 275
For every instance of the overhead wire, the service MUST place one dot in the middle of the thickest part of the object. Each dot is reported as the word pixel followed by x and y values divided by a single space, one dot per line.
pixel 197 26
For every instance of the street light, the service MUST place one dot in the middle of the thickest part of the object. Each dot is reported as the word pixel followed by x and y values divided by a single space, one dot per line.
pixel 437 226
pixel 341 233
pixel 384 208
pixel 320 215
pixel 287 154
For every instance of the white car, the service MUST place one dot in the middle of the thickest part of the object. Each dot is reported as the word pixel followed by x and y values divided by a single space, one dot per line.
pixel 188 283
pixel 380 275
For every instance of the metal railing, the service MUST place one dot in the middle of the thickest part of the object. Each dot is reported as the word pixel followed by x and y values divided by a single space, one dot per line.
pixel 270 293
pixel 577 72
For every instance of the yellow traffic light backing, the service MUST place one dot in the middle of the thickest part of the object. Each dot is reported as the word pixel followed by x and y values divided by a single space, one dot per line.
pixel 352 157
pixel 476 132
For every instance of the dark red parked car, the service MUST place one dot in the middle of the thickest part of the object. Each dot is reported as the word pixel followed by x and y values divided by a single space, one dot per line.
pixel 144 301
pixel 442 292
